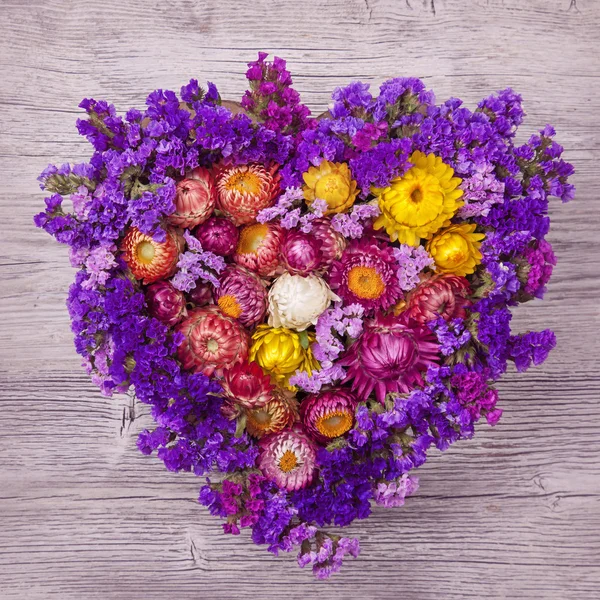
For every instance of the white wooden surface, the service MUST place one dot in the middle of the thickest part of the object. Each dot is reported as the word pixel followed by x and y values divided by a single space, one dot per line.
pixel 514 513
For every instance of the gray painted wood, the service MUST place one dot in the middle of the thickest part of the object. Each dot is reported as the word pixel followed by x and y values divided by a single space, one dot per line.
pixel 513 513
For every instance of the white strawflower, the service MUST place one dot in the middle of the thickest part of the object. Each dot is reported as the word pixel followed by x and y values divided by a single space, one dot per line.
pixel 296 302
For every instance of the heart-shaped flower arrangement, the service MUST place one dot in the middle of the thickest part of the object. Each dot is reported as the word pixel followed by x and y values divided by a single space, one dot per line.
pixel 308 304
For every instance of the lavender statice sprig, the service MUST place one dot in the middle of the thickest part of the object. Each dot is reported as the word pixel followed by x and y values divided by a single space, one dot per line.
pixel 197 264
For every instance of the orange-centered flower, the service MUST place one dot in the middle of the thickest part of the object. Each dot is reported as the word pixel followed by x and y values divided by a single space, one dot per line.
pixel 148 259
pixel 331 182
pixel 258 248
pixel 365 282
pixel 244 190
pixel 230 306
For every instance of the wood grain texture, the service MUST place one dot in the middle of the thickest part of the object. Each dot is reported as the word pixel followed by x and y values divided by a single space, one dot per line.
pixel 514 513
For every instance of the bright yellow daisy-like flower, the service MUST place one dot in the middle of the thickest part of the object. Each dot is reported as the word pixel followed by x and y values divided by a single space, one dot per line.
pixel 331 182
pixel 456 249
pixel 420 202
pixel 280 353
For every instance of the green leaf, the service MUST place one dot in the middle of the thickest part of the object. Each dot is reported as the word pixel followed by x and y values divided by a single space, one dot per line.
pixel 303 335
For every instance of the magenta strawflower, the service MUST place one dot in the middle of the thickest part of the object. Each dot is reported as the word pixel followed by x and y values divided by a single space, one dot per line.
pixel 165 303
pixel 242 295
pixel 366 275
pixel 288 458
pixel 389 357
pixel 300 253
pixel 331 242
pixel 218 235
pixel 329 414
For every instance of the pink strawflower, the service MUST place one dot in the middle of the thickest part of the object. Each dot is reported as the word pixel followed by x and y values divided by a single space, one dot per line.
pixel 443 295
pixel 246 385
pixel 195 199
pixel 366 275
pixel 288 458
pixel 259 248
pixel 329 414
pixel 242 295
pixel 389 357
pixel 212 342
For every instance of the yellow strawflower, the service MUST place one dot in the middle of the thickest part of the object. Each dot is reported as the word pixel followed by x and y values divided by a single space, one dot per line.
pixel 280 353
pixel 420 202
pixel 331 182
pixel 456 249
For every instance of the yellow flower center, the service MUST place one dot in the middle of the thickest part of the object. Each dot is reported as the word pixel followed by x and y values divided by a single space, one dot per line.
pixel 453 252
pixel 230 306
pixel 251 238
pixel 334 424
pixel 244 182
pixel 288 461
pixel 145 252
pixel 365 282
pixel 332 188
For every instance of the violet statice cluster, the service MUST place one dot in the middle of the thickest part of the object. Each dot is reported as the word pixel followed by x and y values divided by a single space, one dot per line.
pixel 309 306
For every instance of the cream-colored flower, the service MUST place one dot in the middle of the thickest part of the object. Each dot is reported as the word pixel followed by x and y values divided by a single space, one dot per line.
pixel 296 302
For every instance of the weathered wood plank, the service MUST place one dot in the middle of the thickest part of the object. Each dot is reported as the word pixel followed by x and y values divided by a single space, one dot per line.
pixel 514 513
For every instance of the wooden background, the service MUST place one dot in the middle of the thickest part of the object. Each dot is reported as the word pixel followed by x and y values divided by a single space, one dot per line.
pixel 514 513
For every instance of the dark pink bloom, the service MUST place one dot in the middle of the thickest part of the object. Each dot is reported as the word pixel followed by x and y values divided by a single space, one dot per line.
pixel 218 235
pixel 331 242
pixel 329 414
pixel 389 357
pixel 300 253
pixel 366 274
pixel 165 303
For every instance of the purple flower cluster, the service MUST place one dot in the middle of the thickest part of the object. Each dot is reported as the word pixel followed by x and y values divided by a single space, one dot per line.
pixel 130 182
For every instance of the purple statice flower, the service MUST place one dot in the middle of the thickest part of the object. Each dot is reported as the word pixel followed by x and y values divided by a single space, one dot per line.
pixel 294 538
pixel 531 348
pixel 313 383
pixel 481 191
pixel 352 224
pixel 392 494
pixel 271 97
pixel 332 325
pixel 400 97
pixel 451 335
pixel 411 262
pixel 99 263
pixel 475 398
pixel 353 100
pixel 377 166
pixel 196 264
pixel 328 557
pixel 365 137
pixel 540 261
pixel 285 203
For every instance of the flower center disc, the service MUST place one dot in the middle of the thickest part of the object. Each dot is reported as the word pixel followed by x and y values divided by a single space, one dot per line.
pixel 212 345
pixel 334 424
pixel 244 183
pixel 288 461
pixel 251 238
pixel 145 252
pixel 365 282
pixel 332 188
pixel 230 306
pixel 416 195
